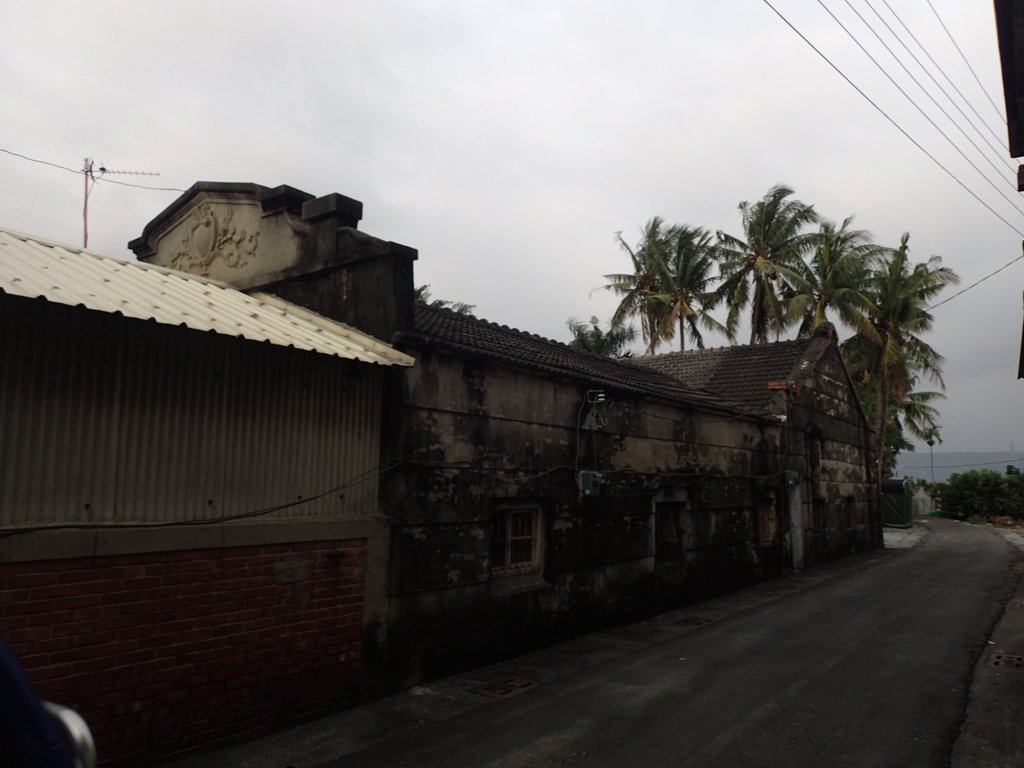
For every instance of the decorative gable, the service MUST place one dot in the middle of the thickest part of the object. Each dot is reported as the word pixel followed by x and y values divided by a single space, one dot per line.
pixel 241 234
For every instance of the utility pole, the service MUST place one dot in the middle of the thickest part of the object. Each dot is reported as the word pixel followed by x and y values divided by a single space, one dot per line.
pixel 87 174
pixel 932 435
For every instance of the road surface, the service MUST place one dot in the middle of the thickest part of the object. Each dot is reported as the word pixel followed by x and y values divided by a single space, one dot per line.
pixel 869 665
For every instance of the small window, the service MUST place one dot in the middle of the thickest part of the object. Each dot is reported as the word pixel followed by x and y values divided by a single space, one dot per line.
pixel 515 540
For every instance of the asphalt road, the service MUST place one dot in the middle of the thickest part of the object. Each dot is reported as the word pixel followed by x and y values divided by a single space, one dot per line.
pixel 868 667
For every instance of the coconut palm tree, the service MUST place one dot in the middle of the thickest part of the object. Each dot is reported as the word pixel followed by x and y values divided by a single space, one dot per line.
pixel 920 414
pixel 590 337
pixel 422 296
pixel 893 355
pixel 917 415
pixel 931 436
pixel 833 279
pixel 773 238
pixel 670 286
pixel 638 289
pixel 683 281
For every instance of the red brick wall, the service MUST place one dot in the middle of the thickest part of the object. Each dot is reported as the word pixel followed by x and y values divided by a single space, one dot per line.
pixel 174 653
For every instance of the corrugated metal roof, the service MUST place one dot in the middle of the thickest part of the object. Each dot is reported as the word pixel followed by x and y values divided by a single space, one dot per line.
pixel 36 268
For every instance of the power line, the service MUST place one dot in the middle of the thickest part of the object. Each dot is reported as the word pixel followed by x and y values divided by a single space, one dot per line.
pixel 975 284
pixel 868 3
pixel 1007 198
pixel 943 73
pixel 962 466
pixel 962 56
pixel 896 125
pixel 79 171
pixel 105 180
pixel 998 148
pixel 41 162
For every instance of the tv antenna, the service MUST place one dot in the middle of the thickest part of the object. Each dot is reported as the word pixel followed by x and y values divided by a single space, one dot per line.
pixel 89 171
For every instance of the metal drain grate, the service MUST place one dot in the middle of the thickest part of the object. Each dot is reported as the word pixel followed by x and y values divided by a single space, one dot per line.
pixel 1006 660
pixel 502 688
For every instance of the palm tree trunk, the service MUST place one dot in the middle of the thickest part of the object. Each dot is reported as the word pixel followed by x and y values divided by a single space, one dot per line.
pixel 882 404
pixel 757 314
pixel 682 334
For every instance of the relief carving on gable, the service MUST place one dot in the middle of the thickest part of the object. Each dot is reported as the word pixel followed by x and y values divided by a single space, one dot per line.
pixel 208 235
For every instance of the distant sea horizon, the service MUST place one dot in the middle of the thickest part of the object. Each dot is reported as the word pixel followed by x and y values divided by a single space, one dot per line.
pixel 916 465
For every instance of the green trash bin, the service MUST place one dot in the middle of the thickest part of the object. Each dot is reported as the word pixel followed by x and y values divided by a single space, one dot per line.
pixel 897 503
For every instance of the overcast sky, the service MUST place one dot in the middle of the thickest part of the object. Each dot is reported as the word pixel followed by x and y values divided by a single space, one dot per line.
pixel 509 141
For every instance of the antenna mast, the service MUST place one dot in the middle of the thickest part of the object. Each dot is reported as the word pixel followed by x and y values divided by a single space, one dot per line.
pixel 88 174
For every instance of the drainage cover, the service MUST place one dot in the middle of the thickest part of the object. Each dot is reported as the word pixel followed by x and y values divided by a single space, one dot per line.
pixel 1006 660
pixel 502 688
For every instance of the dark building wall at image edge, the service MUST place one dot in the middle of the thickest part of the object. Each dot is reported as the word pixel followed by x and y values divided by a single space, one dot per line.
pixel 1010 32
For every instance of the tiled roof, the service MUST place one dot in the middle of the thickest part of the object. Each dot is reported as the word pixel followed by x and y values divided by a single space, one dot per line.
pixel 40 269
pixel 740 374
pixel 468 335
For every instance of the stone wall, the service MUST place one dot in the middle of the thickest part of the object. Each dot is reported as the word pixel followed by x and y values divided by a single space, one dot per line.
pixel 679 510
pixel 830 447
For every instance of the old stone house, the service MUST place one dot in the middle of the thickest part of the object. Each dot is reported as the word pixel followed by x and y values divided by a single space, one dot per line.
pixel 533 490
pixel 543 491
pixel 826 440
pixel 540 491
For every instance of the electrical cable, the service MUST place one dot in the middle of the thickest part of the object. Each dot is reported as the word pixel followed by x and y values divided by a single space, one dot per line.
pixel 79 172
pixel 107 180
pixel 374 473
pixel 962 56
pixel 1015 203
pixel 996 147
pixel 999 172
pixel 896 125
pixel 974 284
pixel 41 162
pixel 1008 462
pixel 361 478
pixel 943 73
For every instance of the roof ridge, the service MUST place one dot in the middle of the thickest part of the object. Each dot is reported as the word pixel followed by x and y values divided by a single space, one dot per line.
pixel 510 329
pixel 470 333
pixel 724 348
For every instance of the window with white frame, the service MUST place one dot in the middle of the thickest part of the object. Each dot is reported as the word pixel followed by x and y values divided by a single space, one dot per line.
pixel 516 539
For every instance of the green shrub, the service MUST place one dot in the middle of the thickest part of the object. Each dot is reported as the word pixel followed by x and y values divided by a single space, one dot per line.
pixel 983 493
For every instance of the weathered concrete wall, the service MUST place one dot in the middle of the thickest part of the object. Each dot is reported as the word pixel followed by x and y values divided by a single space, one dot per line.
pixel 682 510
